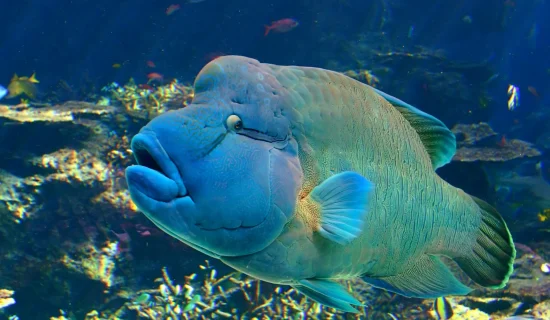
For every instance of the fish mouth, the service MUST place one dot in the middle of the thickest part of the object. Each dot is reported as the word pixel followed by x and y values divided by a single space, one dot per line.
pixel 149 153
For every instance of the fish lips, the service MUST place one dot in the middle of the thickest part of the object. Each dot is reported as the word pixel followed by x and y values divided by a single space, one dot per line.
pixel 150 154
pixel 157 197
pixel 149 183
pixel 157 189
pixel 156 186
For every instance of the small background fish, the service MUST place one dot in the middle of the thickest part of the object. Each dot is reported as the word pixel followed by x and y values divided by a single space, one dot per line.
pixel 280 26
pixel 23 86
pixel 172 8
pixel 513 97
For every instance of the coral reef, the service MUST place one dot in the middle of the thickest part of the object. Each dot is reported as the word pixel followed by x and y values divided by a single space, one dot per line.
pixel 67 112
pixel 204 295
pixel 469 134
pixel 18 196
pixel 476 142
pixel 145 101
pixel 63 183
pixel 67 220
pixel 512 149
pixel 96 264
pixel 73 167
pixel 363 75
pixel 422 76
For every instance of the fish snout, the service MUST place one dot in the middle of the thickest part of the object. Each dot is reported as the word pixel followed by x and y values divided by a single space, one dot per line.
pixel 150 154
pixel 156 188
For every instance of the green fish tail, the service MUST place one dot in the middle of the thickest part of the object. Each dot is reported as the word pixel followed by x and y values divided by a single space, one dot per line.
pixel 491 259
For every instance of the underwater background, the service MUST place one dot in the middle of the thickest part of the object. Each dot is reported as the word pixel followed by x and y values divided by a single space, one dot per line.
pixel 90 74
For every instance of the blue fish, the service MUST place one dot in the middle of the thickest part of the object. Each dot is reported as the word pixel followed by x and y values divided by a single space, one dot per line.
pixel 3 92
pixel 302 176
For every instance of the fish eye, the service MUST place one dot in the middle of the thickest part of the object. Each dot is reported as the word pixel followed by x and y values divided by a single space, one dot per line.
pixel 234 122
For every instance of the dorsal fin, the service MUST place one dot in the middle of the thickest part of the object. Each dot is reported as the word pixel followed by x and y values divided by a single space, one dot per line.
pixel 438 140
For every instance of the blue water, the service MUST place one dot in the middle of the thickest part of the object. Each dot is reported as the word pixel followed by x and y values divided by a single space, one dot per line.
pixel 77 47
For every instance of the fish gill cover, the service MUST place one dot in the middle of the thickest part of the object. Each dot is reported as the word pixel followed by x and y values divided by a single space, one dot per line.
pixel 338 160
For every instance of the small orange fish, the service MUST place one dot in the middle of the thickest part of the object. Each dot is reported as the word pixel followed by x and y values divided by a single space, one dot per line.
pixel 151 64
pixel 154 76
pixel 533 91
pixel 146 87
pixel 283 25
pixel 117 65
pixel 172 8
pixel 502 143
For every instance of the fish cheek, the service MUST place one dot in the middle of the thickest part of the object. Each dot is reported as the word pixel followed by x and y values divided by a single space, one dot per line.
pixel 286 177
pixel 238 209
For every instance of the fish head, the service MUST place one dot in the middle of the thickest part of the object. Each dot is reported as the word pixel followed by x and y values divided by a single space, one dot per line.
pixel 221 174
pixel 15 89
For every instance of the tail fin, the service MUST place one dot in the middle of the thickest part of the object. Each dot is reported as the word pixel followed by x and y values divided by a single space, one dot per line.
pixel 491 261
pixel 267 29
pixel 33 79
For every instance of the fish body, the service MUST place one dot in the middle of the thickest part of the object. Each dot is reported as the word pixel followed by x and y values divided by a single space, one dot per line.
pixel 513 97
pixel 280 26
pixel 303 176
pixel 443 309
pixel 172 8
pixel 22 86
pixel 155 76
pixel 3 92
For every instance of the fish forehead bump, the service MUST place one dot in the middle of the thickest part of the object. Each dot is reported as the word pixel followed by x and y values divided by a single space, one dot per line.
pixel 243 81
pixel 271 94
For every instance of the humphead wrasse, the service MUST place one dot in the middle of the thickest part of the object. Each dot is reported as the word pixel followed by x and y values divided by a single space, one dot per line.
pixel 303 176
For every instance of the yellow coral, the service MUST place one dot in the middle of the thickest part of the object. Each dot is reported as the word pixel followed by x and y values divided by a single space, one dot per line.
pixel 147 103
pixel 71 165
pixel 95 264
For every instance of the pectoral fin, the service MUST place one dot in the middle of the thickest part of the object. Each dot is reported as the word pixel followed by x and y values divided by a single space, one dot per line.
pixel 343 200
pixel 328 293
